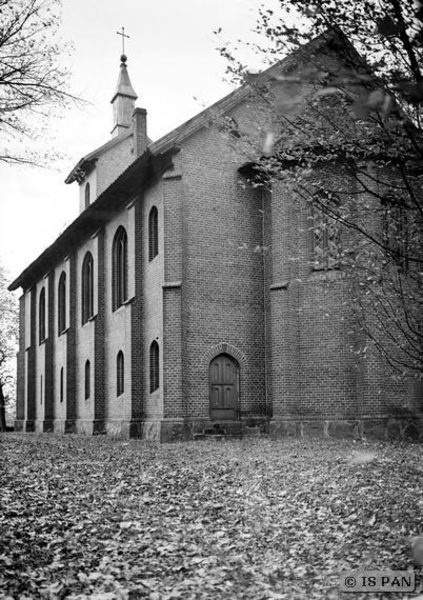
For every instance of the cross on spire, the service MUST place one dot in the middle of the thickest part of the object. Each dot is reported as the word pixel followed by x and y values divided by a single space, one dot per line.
pixel 123 34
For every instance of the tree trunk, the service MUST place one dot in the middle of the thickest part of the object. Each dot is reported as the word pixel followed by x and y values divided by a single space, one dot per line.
pixel 2 409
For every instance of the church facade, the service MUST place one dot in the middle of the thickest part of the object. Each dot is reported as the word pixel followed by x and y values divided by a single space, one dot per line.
pixel 183 297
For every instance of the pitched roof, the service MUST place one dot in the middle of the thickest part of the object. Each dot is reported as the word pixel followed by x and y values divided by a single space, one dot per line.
pixel 225 104
pixel 87 162
pixel 139 174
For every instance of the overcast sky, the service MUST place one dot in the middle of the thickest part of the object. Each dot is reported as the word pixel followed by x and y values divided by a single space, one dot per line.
pixel 174 68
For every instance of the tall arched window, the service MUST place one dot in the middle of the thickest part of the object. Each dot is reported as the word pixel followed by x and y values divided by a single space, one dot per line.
pixel 154 366
pixel 87 379
pixel 42 316
pixel 87 288
pixel 87 195
pixel 396 231
pixel 153 233
pixel 61 385
pixel 325 233
pixel 120 268
pixel 120 374
pixel 61 303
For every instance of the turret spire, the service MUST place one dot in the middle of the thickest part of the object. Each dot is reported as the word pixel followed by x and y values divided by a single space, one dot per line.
pixel 124 97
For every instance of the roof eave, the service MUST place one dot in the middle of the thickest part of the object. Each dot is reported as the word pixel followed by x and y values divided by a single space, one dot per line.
pixel 89 160
pixel 140 174
pixel 81 170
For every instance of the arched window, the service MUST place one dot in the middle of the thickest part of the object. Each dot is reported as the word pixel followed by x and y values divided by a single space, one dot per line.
pixel 61 385
pixel 87 379
pixel 154 366
pixel 42 316
pixel 396 230
pixel 61 303
pixel 325 237
pixel 87 195
pixel 153 233
pixel 120 374
pixel 87 288
pixel 120 268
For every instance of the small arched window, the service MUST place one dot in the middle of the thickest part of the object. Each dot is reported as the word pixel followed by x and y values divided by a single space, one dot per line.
pixel 153 233
pixel 42 316
pixel 87 195
pixel 154 366
pixel 120 374
pixel 87 379
pixel 120 268
pixel 61 385
pixel 61 303
pixel 87 288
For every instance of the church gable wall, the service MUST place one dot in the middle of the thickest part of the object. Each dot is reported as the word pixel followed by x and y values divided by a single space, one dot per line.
pixel 368 387
pixel 316 371
pixel 328 383
pixel 313 373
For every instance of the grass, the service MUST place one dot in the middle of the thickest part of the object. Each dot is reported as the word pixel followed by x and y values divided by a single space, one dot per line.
pixel 108 519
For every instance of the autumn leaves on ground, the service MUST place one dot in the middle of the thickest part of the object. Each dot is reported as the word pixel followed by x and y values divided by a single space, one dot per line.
pixel 109 519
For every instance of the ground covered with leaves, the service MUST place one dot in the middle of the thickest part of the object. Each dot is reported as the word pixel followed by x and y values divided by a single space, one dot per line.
pixel 109 519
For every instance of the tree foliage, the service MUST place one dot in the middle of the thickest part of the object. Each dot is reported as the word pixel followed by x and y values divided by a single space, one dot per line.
pixel 347 135
pixel 32 81
pixel 8 347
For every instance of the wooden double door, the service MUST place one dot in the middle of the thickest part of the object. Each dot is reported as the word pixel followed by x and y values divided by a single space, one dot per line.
pixel 224 388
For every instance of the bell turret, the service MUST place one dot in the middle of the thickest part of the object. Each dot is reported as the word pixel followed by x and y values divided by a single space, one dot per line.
pixel 123 101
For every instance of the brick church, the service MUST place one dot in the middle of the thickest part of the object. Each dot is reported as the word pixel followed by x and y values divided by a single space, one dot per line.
pixel 183 296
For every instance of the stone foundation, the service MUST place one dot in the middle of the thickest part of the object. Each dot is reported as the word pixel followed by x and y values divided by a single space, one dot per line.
pixel 357 429
pixel 173 430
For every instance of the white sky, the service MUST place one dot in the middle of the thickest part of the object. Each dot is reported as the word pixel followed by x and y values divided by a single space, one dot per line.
pixel 172 58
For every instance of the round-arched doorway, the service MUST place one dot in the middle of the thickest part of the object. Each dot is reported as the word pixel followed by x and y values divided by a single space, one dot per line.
pixel 224 388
